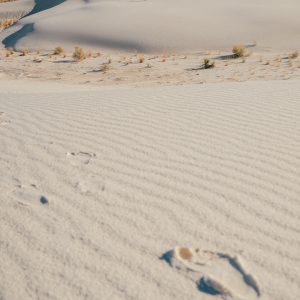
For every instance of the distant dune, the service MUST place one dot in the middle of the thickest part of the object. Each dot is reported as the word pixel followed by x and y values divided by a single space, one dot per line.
pixel 156 25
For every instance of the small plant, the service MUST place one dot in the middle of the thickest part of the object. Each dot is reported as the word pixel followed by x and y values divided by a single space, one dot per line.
pixel 7 23
pixel 79 54
pixel 239 51
pixel 294 55
pixel 141 59
pixel 9 52
pixel 58 51
pixel 207 64
pixel 24 52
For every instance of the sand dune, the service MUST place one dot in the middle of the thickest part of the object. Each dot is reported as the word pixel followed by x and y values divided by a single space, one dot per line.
pixel 156 25
pixel 15 9
pixel 130 174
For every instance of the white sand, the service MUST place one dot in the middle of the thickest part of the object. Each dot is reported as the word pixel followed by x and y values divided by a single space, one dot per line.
pixel 156 25
pixel 132 173
pixel 144 176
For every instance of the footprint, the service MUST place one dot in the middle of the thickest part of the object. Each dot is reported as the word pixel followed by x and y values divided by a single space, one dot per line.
pixel 80 158
pixel 218 274
pixel 27 194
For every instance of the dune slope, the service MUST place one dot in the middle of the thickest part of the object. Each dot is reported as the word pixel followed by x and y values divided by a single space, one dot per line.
pixel 127 175
pixel 156 25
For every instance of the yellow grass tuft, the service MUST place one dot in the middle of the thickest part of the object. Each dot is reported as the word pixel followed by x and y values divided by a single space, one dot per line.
pixel 207 64
pixel 141 59
pixel 5 23
pixel 58 51
pixel 239 51
pixel 24 52
pixel 79 54
pixel 9 52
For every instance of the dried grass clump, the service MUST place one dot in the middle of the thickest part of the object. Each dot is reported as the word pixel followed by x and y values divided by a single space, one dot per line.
pixel 239 51
pixel 79 54
pixel 24 52
pixel 208 64
pixel 5 23
pixel 58 51
pixel 141 59
pixel 9 52
pixel 2 1
pixel 294 55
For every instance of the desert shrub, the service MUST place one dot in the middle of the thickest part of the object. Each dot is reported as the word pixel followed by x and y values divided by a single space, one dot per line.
pixel 9 52
pixel 294 55
pixel 7 23
pixel 24 52
pixel 79 54
pixel 208 64
pixel 239 51
pixel 58 51
pixel 141 59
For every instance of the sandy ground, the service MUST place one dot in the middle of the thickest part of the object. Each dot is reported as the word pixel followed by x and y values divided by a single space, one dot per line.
pixel 136 173
pixel 107 68
pixel 129 174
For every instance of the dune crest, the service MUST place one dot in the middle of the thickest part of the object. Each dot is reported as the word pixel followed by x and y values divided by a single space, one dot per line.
pixel 158 25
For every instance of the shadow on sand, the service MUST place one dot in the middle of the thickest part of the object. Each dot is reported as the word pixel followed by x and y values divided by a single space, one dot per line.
pixel 40 5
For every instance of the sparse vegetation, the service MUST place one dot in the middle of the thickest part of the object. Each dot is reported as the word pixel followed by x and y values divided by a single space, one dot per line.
pixel 2 1
pixel 79 54
pixel 294 55
pixel 58 51
pixel 9 52
pixel 5 23
pixel 239 51
pixel 24 52
pixel 141 59
pixel 208 64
